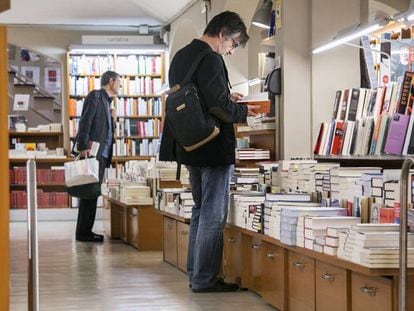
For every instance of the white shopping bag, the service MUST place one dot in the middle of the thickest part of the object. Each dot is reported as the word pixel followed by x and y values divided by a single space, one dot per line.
pixel 81 172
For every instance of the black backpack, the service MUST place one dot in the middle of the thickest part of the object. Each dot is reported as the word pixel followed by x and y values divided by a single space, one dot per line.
pixel 190 124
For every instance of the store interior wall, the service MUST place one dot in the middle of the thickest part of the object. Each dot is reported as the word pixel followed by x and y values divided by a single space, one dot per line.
pixel 337 68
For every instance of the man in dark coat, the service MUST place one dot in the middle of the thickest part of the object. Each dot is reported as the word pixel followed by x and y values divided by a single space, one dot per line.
pixel 96 125
pixel 210 166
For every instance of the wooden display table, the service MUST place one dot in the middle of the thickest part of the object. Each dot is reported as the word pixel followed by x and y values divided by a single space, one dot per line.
pixel 295 278
pixel 138 225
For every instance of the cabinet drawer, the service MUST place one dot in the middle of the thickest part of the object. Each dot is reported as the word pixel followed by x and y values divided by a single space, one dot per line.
pixel 301 282
pixel 232 255
pixel 331 287
pixel 170 240
pixel 252 263
pixel 371 293
pixel 183 231
pixel 274 276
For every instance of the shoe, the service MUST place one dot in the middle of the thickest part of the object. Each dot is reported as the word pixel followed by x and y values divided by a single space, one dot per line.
pixel 219 286
pixel 90 238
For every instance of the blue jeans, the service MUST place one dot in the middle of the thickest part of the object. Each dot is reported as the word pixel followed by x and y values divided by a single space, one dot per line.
pixel 210 188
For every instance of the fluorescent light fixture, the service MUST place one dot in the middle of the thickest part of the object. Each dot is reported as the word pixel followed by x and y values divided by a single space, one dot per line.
pixel 254 81
pixel 343 39
pixel 410 17
pixel 261 17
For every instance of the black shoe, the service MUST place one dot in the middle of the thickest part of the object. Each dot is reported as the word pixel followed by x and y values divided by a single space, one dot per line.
pixel 219 286
pixel 90 238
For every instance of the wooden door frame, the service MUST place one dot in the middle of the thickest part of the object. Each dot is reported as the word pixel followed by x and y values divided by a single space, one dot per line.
pixel 4 169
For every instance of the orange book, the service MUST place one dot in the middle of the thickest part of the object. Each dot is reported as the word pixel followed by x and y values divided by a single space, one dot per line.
pixel 262 106
pixel 72 107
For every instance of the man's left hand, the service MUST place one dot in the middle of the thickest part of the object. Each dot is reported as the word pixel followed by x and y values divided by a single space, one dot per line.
pixel 235 97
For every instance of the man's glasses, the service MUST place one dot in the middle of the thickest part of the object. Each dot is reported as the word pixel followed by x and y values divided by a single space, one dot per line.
pixel 234 43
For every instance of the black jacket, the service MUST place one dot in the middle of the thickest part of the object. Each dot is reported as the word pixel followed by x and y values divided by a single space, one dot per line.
pixel 95 122
pixel 212 80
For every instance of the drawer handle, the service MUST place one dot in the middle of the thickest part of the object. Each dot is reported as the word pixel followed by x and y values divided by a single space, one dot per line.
pixel 231 240
pixel 327 276
pixel 256 246
pixel 370 291
pixel 298 264
pixel 270 255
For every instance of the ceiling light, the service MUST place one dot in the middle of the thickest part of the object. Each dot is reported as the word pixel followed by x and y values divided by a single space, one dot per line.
pixel 358 32
pixel 262 16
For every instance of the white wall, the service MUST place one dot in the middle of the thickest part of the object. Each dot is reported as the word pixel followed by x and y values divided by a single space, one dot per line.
pixel 337 68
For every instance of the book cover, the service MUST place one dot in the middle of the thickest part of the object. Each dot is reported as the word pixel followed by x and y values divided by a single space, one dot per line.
pixel 337 103
pixel 351 113
pixel 344 104
pixel 405 92
pixel 318 140
pixel 338 138
pixel 396 134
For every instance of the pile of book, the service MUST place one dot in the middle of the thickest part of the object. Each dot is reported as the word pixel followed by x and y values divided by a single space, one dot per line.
pixel 375 245
pixel 246 211
pixel 252 154
pixel 167 200
pixel 289 217
pixel 272 209
pixel 319 233
pixel 136 193
pixel 167 171
pixel 185 204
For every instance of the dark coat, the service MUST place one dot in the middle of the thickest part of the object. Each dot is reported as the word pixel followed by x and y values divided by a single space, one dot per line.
pixel 95 122
pixel 212 80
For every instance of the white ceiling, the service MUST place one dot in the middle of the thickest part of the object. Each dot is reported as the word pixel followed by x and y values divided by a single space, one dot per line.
pixel 93 12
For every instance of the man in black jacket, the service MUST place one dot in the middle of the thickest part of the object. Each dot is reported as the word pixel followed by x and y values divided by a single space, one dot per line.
pixel 96 125
pixel 210 166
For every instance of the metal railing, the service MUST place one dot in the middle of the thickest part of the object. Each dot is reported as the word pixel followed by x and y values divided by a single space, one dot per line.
pixel 404 184
pixel 33 277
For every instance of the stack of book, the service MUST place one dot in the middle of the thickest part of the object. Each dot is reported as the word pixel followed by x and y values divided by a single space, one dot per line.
pixel 247 179
pixel 246 211
pixel 167 171
pixel 315 230
pixel 135 193
pixel 185 205
pixel 290 215
pixel 375 246
pixel 252 154
pixel 272 209
pixel 167 200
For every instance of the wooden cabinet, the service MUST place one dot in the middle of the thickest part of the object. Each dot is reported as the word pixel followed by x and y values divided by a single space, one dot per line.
pixel 274 275
pixel 331 286
pixel 371 293
pixel 183 231
pixel 170 240
pixel 301 282
pixel 138 225
pixel 232 263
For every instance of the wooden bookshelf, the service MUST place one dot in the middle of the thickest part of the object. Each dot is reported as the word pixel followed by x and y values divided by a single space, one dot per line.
pixel 117 63
pixel 384 161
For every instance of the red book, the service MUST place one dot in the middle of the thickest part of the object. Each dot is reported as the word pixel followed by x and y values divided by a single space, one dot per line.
pixel 318 141
pixel 338 138
pixel 386 215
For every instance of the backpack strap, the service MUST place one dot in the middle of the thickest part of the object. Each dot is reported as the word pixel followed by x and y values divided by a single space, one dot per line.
pixel 194 66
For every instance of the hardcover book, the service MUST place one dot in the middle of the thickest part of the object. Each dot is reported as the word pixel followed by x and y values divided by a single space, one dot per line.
pixel 396 134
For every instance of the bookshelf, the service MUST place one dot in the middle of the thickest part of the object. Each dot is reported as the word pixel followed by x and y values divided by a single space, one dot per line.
pixel 50 173
pixel 139 110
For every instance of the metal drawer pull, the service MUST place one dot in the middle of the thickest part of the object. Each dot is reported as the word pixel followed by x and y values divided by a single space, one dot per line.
pixel 370 291
pixel 270 255
pixel 255 246
pixel 328 277
pixel 299 265
pixel 231 240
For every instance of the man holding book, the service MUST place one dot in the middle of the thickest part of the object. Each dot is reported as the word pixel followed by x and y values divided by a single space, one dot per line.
pixel 210 166
pixel 96 125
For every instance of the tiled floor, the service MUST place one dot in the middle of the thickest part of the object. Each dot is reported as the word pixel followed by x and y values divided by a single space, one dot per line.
pixel 108 276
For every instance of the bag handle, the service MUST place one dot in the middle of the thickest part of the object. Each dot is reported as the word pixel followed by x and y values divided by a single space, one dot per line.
pixel 191 71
